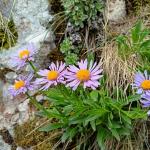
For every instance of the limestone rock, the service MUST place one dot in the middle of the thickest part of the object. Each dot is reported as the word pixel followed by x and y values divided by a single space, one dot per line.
pixel 6 7
pixel 31 19
pixel 3 145
pixel 115 10
pixel 11 76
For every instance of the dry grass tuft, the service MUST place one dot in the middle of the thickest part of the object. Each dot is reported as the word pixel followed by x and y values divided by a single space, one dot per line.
pixel 8 33
pixel 119 72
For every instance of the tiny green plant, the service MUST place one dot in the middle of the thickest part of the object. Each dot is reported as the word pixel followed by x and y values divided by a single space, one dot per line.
pixel 69 51
pixel 137 45
pixel 137 42
pixel 81 11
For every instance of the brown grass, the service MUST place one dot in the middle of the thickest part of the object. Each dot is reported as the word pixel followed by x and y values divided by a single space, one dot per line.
pixel 27 135
pixel 119 72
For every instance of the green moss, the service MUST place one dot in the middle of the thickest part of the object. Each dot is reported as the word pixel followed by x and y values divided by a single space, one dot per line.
pixel 8 34
pixel 26 136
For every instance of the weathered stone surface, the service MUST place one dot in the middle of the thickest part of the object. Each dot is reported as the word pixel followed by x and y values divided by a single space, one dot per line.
pixel 115 10
pixel 10 77
pixel 6 7
pixel 39 98
pixel 3 145
pixel 31 19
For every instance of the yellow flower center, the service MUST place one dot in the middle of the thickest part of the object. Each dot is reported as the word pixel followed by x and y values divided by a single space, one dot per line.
pixel 145 85
pixel 24 53
pixel 52 75
pixel 19 84
pixel 83 75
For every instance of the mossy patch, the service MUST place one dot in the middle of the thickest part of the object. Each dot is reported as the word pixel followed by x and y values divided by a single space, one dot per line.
pixel 8 33
pixel 27 135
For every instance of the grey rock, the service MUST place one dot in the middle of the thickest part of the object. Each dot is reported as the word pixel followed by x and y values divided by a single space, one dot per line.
pixel 23 106
pixel 115 10
pixel 20 148
pixel 31 19
pixel 11 76
pixel 3 145
pixel 6 7
pixel 39 98
pixel 14 118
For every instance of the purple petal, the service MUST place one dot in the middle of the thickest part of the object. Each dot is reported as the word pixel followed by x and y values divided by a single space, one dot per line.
pixel 43 72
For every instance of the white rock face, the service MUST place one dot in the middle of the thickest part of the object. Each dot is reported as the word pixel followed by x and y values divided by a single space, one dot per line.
pixel 115 10
pixel 31 18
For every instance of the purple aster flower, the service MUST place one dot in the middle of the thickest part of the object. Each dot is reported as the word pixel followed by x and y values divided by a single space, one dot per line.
pixel 25 54
pixel 88 76
pixel 22 85
pixel 142 82
pixel 145 100
pixel 52 76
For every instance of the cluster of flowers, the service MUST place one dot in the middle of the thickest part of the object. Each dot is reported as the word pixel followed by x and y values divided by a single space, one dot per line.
pixel 142 84
pixel 84 74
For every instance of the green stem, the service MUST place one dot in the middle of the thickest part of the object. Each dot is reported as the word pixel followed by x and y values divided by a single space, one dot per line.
pixel 36 104
pixel 32 66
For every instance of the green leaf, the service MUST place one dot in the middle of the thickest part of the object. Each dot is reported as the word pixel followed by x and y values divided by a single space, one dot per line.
pixel 55 94
pixel 101 137
pixel 94 114
pixel 136 113
pixel 90 56
pixel 125 118
pixel 144 34
pixel 114 124
pixel 115 134
pixel 94 95
pixel 73 132
pixel 65 136
pixel 145 45
pixel 51 127
pixel 93 125
pixel 124 131
pixel 69 134
pixel 135 32
pixel 129 100
pixel 122 42
pixel 67 109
